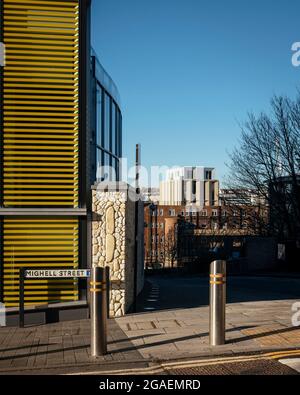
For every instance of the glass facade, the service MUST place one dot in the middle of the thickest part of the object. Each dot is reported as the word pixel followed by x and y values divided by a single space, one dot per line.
pixel 107 144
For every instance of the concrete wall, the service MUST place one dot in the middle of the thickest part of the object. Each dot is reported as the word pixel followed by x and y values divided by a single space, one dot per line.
pixel 113 242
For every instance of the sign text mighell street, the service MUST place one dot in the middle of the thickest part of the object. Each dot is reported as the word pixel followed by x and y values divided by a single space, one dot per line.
pixel 61 273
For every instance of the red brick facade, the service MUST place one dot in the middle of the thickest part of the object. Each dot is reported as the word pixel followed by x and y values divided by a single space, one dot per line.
pixel 162 221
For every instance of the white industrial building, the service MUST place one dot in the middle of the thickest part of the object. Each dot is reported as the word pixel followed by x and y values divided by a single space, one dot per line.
pixel 190 185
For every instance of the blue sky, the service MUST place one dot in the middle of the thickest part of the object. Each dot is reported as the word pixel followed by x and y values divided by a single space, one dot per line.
pixel 189 71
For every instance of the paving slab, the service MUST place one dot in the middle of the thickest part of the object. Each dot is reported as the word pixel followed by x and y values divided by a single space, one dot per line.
pixel 250 325
pixel 58 345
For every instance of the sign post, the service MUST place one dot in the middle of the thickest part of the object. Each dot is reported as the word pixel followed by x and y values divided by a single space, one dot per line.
pixel 21 300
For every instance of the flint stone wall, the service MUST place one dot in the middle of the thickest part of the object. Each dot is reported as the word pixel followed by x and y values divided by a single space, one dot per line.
pixel 113 243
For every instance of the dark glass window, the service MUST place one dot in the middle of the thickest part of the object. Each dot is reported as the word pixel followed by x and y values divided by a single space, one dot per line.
pixel 208 175
pixel 107 123
pixel 99 171
pixel 99 116
pixel 113 128
pixel 119 134
pixel 106 169
pixel 108 133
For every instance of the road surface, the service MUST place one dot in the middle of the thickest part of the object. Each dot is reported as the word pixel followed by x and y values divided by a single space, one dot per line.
pixel 173 292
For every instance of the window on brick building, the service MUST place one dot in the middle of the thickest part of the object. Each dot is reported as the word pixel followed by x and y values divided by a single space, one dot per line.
pixel 244 225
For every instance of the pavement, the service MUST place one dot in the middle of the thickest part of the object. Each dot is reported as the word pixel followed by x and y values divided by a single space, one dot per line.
pixel 258 317
pixel 60 348
pixel 170 334
pixel 251 326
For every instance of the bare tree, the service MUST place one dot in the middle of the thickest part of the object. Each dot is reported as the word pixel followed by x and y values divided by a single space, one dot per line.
pixel 245 212
pixel 170 247
pixel 266 164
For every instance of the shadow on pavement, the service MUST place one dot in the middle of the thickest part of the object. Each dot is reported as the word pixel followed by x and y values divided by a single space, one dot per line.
pixel 178 339
pixel 179 292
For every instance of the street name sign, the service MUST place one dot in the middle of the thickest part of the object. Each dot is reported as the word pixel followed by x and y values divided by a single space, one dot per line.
pixel 57 273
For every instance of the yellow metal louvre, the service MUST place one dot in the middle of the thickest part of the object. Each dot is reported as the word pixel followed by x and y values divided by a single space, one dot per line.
pixel 49 243
pixel 40 103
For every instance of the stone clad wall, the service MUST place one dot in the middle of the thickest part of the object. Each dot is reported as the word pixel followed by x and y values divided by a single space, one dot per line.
pixel 113 244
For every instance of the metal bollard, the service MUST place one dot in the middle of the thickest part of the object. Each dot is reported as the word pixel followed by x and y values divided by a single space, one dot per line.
pixel 98 312
pixel 217 303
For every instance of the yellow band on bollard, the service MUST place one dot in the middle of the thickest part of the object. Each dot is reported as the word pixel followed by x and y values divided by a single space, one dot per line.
pixel 217 275
pixel 98 289
pixel 97 283
pixel 218 282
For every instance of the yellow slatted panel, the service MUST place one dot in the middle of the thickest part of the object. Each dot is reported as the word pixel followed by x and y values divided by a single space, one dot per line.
pixel 40 103
pixel 49 243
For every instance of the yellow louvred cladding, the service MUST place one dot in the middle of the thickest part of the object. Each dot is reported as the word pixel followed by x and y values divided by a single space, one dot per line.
pixel 40 103
pixel 48 243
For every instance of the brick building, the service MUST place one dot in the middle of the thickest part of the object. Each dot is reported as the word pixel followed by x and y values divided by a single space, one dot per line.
pixel 166 226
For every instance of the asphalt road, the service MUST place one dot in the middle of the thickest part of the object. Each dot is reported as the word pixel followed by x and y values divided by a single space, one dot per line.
pixel 170 292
